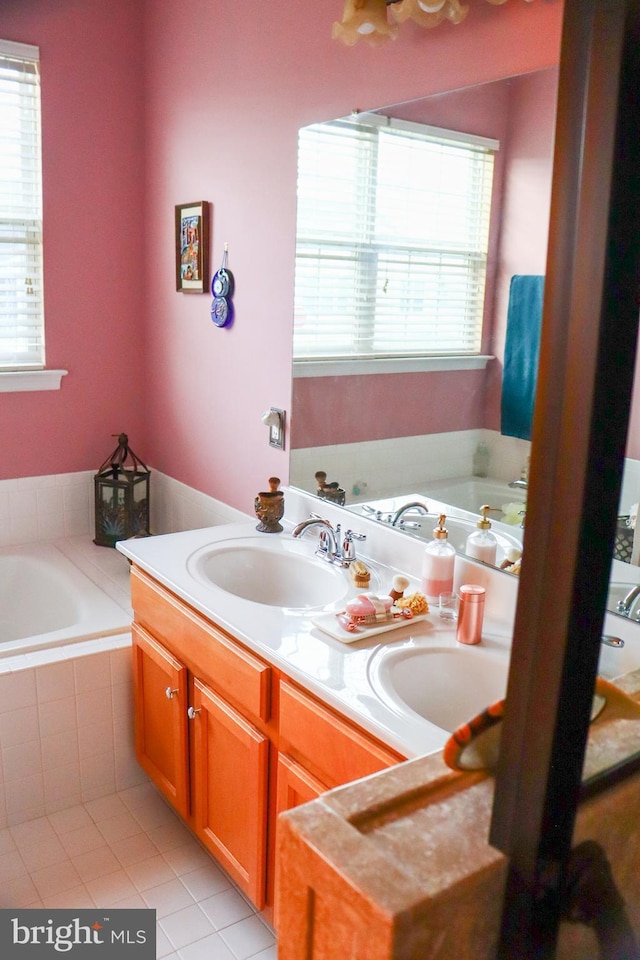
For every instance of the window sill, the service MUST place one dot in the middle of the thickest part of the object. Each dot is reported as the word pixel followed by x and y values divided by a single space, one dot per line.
pixel 17 381
pixel 357 367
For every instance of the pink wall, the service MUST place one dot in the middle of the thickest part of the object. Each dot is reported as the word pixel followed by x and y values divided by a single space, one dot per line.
pixel 525 206
pixel 92 116
pixel 226 86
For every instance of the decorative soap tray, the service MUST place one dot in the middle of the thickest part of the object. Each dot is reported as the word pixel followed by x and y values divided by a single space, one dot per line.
pixel 328 623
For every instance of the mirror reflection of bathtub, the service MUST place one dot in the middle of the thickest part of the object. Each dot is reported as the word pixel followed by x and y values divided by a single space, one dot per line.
pixel 460 501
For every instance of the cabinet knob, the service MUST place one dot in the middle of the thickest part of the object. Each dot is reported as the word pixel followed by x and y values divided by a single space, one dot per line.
pixel 170 693
pixel 192 712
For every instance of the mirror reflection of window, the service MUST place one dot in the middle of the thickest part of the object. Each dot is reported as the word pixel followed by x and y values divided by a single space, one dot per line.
pixel 392 239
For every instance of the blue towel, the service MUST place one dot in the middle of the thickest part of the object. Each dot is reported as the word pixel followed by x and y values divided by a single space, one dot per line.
pixel 522 348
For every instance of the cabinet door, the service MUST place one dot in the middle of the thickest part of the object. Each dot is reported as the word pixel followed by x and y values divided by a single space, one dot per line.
pixel 230 774
pixel 161 718
pixel 295 784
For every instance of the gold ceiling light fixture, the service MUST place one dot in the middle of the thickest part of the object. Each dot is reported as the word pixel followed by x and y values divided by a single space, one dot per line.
pixel 429 13
pixel 369 20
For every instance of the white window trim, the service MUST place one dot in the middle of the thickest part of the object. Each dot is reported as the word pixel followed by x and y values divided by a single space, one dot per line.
pixel 354 367
pixel 19 381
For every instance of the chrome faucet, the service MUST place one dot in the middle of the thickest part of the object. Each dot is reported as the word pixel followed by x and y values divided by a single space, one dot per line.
pixel 627 604
pixel 414 505
pixel 332 546
pixel 523 482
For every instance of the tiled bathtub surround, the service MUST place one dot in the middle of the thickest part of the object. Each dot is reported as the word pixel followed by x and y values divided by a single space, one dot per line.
pixel 66 734
pixel 371 467
pixel 33 509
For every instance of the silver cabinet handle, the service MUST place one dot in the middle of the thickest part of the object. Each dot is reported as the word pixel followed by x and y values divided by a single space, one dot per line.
pixel 170 693
pixel 192 713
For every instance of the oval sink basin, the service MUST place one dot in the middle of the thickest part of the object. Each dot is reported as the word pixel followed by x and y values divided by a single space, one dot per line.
pixel 278 573
pixel 445 685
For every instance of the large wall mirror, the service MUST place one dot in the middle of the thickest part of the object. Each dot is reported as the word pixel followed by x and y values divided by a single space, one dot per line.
pixel 392 432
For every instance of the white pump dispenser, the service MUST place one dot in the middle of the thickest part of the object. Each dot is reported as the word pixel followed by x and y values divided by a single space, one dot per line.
pixel 438 563
pixel 482 544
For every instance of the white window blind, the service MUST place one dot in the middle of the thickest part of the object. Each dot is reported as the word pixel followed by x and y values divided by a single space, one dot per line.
pixel 21 287
pixel 392 237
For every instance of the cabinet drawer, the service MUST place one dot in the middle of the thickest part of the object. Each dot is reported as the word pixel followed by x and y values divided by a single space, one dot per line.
pixel 336 749
pixel 241 677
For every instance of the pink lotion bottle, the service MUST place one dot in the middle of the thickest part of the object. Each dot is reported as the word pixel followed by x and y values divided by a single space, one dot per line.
pixel 438 563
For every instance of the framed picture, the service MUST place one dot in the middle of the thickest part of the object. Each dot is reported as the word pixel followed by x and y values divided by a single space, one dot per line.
pixel 192 247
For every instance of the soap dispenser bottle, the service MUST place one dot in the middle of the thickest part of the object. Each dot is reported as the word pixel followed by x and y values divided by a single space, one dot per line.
pixel 482 544
pixel 438 563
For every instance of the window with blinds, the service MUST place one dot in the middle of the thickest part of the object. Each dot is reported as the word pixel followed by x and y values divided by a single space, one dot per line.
pixel 392 238
pixel 21 289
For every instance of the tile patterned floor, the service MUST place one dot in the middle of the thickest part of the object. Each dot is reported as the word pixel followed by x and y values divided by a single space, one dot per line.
pixel 130 850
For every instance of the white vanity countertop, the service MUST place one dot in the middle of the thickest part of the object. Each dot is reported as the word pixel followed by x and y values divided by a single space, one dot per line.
pixel 336 672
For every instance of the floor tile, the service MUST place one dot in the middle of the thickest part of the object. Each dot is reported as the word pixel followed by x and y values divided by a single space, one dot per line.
pixel 210 948
pixel 134 849
pixel 187 857
pixel 186 926
pixel 167 897
pixel 129 850
pixel 7 842
pixel 96 863
pixel 169 835
pixel 11 866
pixel 32 831
pixel 119 827
pixel 77 897
pixel 150 873
pixel 247 937
pixel 163 944
pixel 19 892
pixel 55 878
pixel 110 888
pixel 70 820
pixel 80 841
pixel 205 881
pixel 105 807
pixel 226 908
pixel 42 853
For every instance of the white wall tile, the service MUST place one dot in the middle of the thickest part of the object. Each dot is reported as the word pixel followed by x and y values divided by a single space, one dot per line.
pixel 55 681
pixel 92 673
pixel 62 787
pixel 60 749
pixel 25 799
pixel 17 690
pixel 97 776
pixel 57 716
pixel 19 726
pixel 22 761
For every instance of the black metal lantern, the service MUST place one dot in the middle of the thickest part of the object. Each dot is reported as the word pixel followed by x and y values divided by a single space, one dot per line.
pixel 122 496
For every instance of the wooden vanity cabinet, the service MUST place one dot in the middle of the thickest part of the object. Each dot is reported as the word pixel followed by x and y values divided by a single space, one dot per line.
pixel 323 748
pixel 228 739
pixel 201 743
pixel 161 704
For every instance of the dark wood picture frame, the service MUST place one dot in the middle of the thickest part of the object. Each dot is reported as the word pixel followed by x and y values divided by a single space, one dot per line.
pixel 192 247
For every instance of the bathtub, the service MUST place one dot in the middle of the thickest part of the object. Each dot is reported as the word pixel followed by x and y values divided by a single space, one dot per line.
pixel 470 493
pixel 47 601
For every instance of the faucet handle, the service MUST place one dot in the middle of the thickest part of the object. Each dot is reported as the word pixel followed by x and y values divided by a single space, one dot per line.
pixel 348 546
